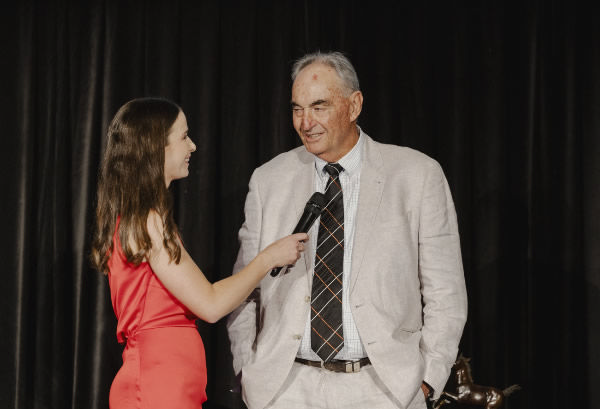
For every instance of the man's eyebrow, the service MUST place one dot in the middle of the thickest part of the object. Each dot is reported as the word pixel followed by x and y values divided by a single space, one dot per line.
pixel 319 102
pixel 312 104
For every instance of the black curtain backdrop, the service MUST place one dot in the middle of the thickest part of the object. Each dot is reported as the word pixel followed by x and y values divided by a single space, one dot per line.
pixel 505 95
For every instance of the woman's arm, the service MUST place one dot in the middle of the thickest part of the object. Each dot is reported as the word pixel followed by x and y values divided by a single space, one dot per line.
pixel 210 302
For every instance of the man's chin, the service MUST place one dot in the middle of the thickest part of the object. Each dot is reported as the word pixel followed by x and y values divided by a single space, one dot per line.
pixel 313 146
pixel 313 150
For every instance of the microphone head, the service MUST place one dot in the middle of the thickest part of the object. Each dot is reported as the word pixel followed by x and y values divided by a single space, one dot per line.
pixel 315 204
pixel 317 200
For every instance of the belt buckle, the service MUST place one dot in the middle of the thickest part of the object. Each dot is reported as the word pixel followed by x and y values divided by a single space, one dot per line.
pixel 352 367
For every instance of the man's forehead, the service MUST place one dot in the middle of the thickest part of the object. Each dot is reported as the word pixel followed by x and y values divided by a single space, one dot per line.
pixel 318 71
pixel 317 85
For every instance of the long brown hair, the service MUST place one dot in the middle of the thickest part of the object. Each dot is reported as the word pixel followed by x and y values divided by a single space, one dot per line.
pixel 132 182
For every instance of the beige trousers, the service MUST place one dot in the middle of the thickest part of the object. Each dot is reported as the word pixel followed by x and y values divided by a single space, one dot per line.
pixel 315 388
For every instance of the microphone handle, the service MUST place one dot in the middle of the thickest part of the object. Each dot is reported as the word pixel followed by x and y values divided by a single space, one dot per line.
pixel 302 227
pixel 275 271
pixel 308 218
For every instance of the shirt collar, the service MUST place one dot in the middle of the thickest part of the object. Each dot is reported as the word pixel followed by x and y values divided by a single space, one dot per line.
pixel 350 161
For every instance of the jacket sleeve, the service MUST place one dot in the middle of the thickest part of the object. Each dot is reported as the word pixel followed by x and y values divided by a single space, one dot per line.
pixel 442 280
pixel 241 323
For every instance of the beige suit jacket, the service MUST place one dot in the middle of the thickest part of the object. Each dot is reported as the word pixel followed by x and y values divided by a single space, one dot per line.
pixel 407 292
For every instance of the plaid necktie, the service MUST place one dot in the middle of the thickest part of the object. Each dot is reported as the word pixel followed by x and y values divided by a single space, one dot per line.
pixel 327 337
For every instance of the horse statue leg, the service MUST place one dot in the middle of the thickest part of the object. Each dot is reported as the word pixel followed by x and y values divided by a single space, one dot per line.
pixel 494 398
pixel 444 398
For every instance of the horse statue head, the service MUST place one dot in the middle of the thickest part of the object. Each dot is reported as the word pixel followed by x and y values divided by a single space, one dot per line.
pixel 462 370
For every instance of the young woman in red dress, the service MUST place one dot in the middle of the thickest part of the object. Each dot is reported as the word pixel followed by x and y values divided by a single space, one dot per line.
pixel 157 290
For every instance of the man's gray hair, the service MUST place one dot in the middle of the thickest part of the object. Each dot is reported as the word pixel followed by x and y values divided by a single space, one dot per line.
pixel 336 60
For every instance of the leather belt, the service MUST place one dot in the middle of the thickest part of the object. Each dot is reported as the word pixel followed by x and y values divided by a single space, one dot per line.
pixel 337 366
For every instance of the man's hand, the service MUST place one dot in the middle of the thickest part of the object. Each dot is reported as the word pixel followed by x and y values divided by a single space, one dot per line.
pixel 427 391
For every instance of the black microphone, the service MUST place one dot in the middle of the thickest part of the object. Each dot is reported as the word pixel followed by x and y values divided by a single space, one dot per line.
pixel 312 210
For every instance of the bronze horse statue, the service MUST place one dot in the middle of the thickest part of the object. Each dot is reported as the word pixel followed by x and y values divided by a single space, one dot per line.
pixel 470 393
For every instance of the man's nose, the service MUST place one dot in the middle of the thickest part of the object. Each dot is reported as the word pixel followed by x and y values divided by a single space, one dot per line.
pixel 307 119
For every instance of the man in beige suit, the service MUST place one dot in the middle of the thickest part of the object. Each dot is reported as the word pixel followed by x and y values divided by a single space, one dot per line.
pixel 403 301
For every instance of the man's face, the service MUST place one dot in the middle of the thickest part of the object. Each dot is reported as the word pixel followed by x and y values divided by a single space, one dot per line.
pixel 323 115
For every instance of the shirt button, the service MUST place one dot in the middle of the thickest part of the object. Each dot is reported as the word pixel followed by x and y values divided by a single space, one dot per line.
pixel 307 298
pixel 297 336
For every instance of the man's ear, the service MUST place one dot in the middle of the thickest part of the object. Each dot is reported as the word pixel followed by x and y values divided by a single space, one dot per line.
pixel 356 101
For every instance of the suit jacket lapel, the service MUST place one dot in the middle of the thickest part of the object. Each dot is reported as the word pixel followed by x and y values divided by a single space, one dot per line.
pixel 371 189
pixel 304 185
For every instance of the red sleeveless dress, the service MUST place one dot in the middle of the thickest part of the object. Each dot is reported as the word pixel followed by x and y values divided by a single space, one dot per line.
pixel 163 362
